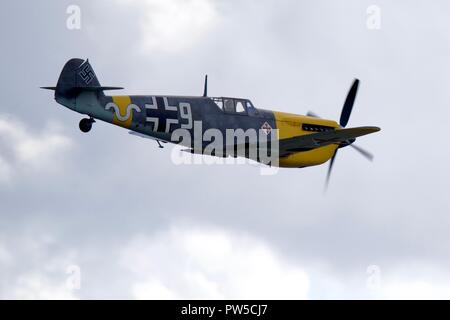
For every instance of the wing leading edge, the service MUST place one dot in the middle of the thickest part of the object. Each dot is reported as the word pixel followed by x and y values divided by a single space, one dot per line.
pixel 321 139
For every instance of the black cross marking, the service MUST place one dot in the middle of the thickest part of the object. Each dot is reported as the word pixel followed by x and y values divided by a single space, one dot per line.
pixel 162 114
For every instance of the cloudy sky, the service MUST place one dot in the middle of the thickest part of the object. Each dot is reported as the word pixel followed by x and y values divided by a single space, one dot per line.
pixel 108 215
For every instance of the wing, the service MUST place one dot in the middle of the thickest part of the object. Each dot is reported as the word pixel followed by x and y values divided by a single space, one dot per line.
pixel 321 139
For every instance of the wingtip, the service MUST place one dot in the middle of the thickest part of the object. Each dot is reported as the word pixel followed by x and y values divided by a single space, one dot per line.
pixel 370 129
pixel 376 129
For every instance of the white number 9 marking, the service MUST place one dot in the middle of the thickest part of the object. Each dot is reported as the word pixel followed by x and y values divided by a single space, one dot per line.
pixel 186 114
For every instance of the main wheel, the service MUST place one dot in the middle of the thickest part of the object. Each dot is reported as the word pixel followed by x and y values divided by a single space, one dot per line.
pixel 86 125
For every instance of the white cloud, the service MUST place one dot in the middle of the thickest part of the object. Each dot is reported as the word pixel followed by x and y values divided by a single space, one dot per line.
pixel 173 25
pixel 416 281
pixel 152 290
pixel 43 277
pixel 22 150
pixel 405 281
pixel 416 289
pixel 204 264
pixel 186 263
pixel 36 286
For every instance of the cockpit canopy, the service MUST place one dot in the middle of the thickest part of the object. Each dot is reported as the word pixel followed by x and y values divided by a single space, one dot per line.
pixel 235 105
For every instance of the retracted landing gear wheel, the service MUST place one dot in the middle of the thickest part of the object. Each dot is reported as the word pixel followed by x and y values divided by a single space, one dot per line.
pixel 86 125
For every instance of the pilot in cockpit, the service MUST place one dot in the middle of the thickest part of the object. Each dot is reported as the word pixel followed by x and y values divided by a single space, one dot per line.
pixel 229 105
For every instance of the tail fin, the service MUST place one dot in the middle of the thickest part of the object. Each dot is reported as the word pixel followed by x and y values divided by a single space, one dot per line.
pixel 76 76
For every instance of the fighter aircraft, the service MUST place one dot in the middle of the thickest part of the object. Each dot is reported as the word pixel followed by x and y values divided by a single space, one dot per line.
pixel 301 140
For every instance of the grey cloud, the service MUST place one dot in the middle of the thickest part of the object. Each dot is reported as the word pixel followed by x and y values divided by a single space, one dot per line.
pixel 286 55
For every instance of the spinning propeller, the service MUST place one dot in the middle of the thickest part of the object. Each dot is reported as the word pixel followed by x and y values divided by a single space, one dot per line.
pixel 345 116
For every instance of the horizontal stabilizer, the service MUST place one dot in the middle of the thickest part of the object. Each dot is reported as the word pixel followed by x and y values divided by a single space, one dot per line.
pixel 95 88
pixel 100 88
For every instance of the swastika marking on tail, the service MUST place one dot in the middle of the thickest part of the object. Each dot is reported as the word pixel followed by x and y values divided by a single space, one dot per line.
pixel 87 74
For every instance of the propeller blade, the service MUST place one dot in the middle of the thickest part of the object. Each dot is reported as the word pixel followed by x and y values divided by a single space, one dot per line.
pixel 348 104
pixel 365 153
pixel 329 169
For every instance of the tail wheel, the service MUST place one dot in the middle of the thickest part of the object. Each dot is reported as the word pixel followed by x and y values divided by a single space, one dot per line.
pixel 86 124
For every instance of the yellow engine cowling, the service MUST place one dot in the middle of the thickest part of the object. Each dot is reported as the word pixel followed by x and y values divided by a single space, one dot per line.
pixel 308 158
pixel 291 125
